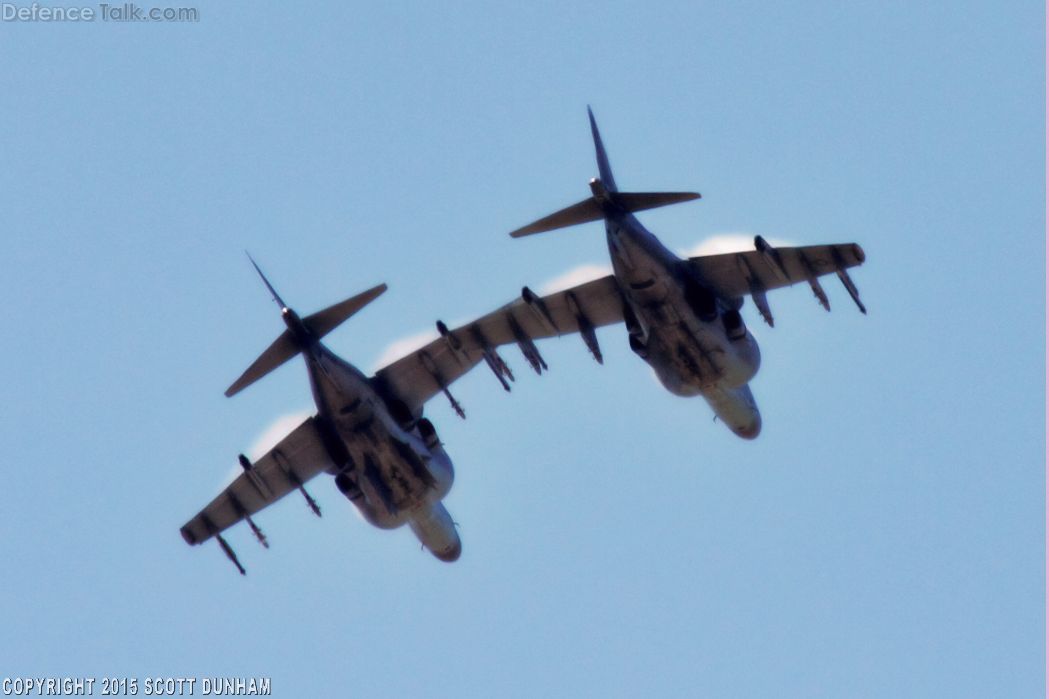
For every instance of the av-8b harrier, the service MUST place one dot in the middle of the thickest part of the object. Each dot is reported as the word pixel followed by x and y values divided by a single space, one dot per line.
pixel 682 316
pixel 385 457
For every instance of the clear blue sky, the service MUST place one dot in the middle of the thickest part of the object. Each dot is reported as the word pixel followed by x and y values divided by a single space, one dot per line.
pixel 884 537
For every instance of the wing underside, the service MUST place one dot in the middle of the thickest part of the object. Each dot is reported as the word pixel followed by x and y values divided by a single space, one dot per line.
pixel 417 377
pixel 755 272
pixel 735 274
pixel 731 274
pixel 296 459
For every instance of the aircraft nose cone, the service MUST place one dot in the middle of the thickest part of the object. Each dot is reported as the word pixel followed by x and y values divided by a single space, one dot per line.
pixel 450 555
pixel 750 431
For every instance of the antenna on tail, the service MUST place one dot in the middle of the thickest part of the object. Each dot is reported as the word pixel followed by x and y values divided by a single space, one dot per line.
pixel 273 292
pixel 603 168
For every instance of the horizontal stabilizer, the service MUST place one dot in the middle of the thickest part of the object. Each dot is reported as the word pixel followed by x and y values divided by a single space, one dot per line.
pixel 323 322
pixel 285 346
pixel 640 201
pixel 585 211
pixel 594 210
pixel 282 349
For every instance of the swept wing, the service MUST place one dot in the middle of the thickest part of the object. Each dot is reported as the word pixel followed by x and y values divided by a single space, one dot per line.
pixel 420 375
pixel 286 467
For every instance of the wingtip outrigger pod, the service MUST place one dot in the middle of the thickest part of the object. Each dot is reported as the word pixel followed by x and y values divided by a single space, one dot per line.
pixel 606 198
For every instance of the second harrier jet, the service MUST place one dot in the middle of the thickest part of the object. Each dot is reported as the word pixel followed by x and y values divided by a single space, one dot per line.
pixel 682 316
pixel 385 457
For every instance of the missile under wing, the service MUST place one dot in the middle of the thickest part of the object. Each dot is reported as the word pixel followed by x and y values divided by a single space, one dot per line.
pixel 420 375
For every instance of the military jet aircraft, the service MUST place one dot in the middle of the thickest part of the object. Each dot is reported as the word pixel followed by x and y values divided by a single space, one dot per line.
pixel 682 316
pixel 385 457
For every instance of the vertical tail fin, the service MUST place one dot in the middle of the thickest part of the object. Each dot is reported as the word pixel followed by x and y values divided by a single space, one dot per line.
pixel 607 199
pixel 273 292
pixel 603 168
